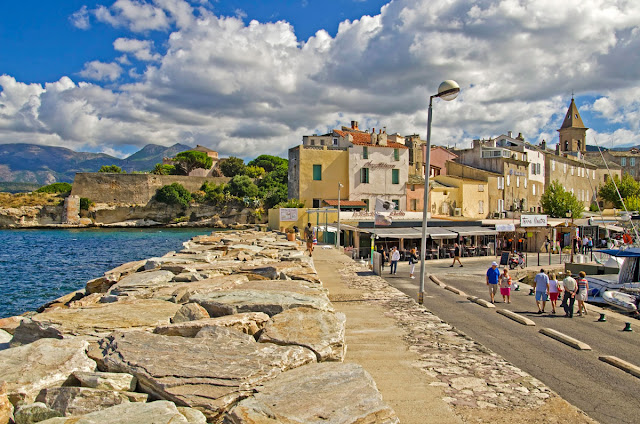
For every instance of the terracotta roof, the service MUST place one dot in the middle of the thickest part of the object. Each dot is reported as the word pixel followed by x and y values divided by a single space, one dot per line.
pixel 364 139
pixel 625 153
pixel 332 202
pixel 597 161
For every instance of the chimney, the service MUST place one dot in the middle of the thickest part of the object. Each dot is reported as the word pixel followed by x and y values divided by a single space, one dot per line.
pixel 558 149
pixel 509 134
pixel 520 137
pixel 354 125
pixel 543 145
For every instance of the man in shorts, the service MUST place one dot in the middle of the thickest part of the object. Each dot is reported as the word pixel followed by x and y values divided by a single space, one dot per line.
pixel 542 288
pixel 493 274
pixel 308 236
pixel 456 254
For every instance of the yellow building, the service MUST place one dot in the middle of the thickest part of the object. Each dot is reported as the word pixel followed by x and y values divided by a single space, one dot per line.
pixel 457 196
pixel 315 172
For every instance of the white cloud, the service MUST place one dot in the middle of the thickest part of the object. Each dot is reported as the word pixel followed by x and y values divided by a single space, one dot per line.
pixel 255 88
pixel 100 71
pixel 80 18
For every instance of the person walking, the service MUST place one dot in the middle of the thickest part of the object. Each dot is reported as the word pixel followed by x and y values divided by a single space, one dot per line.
pixel 554 291
pixel 547 243
pixel 493 274
pixel 383 256
pixel 542 288
pixel 413 259
pixel 569 297
pixel 583 290
pixel 308 236
pixel 395 257
pixel 505 286
pixel 456 254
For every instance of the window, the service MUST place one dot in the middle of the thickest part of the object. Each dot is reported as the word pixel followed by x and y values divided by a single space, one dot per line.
pixel 413 187
pixel 480 187
pixel 533 187
pixel 414 204
pixel 395 176
pixel 364 175
pixel 500 205
pixel 632 161
pixel 553 165
pixel 508 180
pixel 538 169
pixel 594 175
pixel 316 203
pixel 572 169
pixel 525 183
pixel 500 183
pixel 623 161
pixel 317 172
pixel 397 202
pixel 396 154
pixel 365 152
pixel 335 141
pixel 366 202
pixel 517 181
pixel 480 206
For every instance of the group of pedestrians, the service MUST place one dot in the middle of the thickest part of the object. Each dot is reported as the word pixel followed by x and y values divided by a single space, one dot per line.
pixel 496 280
pixel 549 288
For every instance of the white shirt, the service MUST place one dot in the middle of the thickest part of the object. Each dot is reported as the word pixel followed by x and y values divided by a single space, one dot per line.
pixel 395 256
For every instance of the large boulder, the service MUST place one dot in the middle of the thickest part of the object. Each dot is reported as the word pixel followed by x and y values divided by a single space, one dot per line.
pixel 189 312
pixel 96 320
pixel 248 323
pixel 142 284
pixel 270 297
pixel 158 412
pixel 320 331
pixel 125 269
pixel 84 400
pixel 106 380
pixel 182 293
pixel 279 270
pixel 34 413
pixel 6 408
pixel 42 364
pixel 209 373
pixel 333 393
pixel 5 338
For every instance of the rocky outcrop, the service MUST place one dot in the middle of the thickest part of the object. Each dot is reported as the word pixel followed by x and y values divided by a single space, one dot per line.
pixel 42 364
pixel 328 392
pixel 211 374
pixel 83 400
pixel 142 284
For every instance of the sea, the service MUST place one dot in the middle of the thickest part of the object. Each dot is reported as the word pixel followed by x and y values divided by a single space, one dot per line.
pixel 39 265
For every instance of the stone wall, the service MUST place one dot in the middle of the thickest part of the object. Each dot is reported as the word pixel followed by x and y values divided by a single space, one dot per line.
pixel 138 189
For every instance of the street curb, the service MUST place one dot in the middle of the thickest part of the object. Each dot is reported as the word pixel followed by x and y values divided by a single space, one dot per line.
pixel 437 281
pixel 516 317
pixel 623 365
pixel 574 343
pixel 481 302
pixel 455 290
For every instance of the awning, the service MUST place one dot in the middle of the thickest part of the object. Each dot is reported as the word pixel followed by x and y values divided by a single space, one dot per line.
pixel 472 231
pixel 437 233
pixel 346 203
pixel 611 227
pixel 328 228
pixel 403 233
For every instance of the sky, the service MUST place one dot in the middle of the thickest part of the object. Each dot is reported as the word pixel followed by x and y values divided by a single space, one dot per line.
pixel 251 77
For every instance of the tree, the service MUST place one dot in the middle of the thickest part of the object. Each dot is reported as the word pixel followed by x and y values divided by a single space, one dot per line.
pixel 232 166
pixel 174 194
pixel 628 188
pixel 268 162
pixel 190 160
pixel 242 186
pixel 557 202
pixel 55 188
pixel 161 169
pixel 632 203
pixel 254 171
pixel 114 169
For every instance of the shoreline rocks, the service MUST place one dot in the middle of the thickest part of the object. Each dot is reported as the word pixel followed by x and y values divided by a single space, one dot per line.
pixel 232 321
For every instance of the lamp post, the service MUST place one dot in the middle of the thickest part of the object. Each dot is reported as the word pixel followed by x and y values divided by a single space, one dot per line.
pixel 448 90
pixel 338 233
pixel 570 215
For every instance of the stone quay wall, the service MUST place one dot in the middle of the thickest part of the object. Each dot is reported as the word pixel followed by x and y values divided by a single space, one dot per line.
pixel 132 189
pixel 236 328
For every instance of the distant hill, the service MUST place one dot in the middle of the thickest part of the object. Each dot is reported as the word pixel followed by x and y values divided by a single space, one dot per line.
pixel 40 165
pixel 591 148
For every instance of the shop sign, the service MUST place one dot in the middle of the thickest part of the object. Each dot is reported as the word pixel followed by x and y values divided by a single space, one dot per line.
pixel 288 214
pixel 503 228
pixel 533 220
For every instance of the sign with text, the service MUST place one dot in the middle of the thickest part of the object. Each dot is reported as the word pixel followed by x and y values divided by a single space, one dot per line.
pixel 533 220
pixel 288 214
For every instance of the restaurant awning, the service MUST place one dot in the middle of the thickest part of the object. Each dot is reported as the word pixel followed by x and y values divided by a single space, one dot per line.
pixel 472 231
pixel 437 233
pixel 611 227
pixel 403 233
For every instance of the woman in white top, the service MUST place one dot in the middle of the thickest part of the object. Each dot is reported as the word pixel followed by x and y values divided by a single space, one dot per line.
pixel 554 291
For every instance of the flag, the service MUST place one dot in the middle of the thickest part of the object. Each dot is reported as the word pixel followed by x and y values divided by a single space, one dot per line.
pixel 382 219
pixel 384 205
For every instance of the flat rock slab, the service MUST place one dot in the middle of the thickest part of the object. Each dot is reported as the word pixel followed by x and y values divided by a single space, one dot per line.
pixel 34 413
pixel 248 323
pixel 125 269
pixel 181 293
pixel 276 270
pixel 96 320
pixel 158 412
pixel 142 284
pixel 320 331
pixel 84 400
pixel 106 380
pixel 208 373
pixel 42 364
pixel 331 393
pixel 189 312
pixel 268 296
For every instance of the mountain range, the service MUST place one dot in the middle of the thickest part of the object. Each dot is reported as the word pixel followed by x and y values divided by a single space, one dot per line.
pixel 41 165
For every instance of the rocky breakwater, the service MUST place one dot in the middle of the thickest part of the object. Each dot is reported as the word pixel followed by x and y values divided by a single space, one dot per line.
pixel 235 328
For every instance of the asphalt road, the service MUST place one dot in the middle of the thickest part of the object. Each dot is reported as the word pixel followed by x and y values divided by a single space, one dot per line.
pixel 605 393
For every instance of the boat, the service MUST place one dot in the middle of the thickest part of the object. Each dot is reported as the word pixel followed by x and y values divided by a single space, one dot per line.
pixel 626 302
pixel 618 290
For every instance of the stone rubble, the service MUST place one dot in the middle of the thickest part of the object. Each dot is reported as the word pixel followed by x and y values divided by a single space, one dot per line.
pixel 234 318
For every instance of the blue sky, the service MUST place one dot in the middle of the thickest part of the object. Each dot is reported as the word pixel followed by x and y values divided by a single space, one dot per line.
pixel 247 77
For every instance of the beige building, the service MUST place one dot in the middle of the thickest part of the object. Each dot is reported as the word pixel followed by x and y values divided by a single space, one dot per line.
pixel 494 181
pixel 627 161
pixel 457 196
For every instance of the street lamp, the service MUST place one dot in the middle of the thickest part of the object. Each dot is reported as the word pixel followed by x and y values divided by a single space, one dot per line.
pixel 338 233
pixel 448 90
pixel 570 215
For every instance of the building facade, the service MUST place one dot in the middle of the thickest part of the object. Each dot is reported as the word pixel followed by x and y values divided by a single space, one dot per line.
pixel 628 161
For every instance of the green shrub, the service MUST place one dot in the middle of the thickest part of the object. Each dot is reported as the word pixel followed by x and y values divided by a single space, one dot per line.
pixel 85 204
pixel 174 194
pixel 161 169
pixel 55 188
pixel 115 169
pixel 242 186
pixel 291 203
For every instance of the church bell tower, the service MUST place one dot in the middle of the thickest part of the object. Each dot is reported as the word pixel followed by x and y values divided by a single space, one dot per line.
pixel 573 133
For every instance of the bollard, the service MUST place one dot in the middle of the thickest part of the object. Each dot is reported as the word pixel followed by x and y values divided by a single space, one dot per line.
pixel 602 318
pixel 531 292
pixel 627 327
pixel 517 288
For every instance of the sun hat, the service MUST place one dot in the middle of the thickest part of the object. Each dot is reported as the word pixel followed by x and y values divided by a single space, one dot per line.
pixel 494 263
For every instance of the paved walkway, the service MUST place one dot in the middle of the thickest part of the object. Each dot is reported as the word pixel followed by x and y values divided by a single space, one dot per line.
pixel 426 370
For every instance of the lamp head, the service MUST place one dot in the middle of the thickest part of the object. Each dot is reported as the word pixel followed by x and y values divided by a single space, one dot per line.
pixel 448 90
pixel 340 185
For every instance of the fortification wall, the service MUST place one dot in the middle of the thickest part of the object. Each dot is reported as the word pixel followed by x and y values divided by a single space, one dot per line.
pixel 133 189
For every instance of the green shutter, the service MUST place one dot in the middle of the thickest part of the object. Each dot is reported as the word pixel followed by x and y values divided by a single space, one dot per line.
pixel 365 152
pixel 317 172
pixel 396 154
pixel 395 176
pixel 364 175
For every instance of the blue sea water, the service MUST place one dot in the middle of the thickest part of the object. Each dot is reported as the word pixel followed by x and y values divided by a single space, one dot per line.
pixel 37 266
